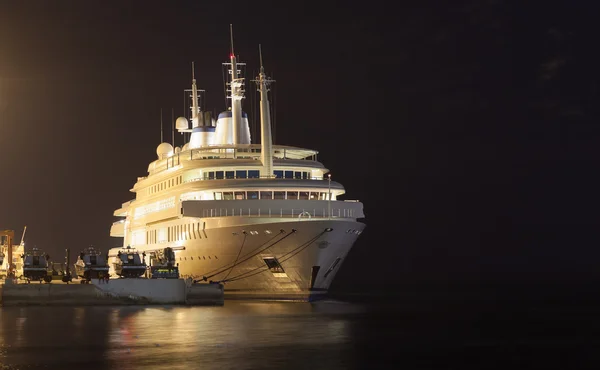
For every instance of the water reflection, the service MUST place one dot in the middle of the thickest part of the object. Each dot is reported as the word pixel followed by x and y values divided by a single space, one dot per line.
pixel 239 335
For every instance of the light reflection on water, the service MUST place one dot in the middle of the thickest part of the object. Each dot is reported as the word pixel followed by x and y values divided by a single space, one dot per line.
pixel 240 335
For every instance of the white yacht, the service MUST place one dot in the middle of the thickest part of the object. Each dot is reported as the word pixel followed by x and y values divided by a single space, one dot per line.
pixel 265 220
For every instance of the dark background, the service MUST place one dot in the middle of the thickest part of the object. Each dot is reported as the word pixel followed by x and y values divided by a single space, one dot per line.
pixel 469 129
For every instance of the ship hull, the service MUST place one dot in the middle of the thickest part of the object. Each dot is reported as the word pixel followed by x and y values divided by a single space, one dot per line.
pixel 308 255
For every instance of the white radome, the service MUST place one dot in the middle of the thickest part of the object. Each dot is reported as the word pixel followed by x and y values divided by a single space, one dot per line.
pixel 164 150
pixel 182 123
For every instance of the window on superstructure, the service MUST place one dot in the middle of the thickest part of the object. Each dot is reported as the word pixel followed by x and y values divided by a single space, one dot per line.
pixel 297 175
pixel 314 196
pixel 253 174
pixel 211 175
pixel 289 174
pixel 279 195
pixel 230 174
pixel 305 175
pixel 219 175
pixel 266 195
pixel 218 195
pixel 241 174
pixel 322 196
pixel 240 195
pixel 292 195
pixel 252 195
pixel 303 195
pixel 278 174
pixel 228 195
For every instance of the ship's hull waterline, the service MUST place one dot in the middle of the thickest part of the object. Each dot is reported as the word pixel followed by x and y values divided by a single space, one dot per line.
pixel 310 257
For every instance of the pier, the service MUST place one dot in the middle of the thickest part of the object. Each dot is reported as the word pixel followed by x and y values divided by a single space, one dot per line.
pixel 116 292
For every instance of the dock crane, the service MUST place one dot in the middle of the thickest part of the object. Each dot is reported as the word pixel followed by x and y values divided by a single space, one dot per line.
pixel 11 264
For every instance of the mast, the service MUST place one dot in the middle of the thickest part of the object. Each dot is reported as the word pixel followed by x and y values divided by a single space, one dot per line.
pixel 195 109
pixel 237 94
pixel 266 141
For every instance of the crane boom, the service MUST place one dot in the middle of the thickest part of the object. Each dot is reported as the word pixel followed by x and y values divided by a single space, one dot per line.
pixel 23 237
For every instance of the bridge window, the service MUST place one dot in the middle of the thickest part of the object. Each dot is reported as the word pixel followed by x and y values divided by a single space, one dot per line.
pixel 240 195
pixel 297 175
pixel 266 195
pixel 303 195
pixel 279 195
pixel 314 196
pixel 305 175
pixel 219 175
pixel 211 175
pixel 218 195
pixel 322 196
pixel 253 174
pixel 289 174
pixel 292 195
pixel 228 195
pixel 278 174
pixel 241 174
pixel 229 174
pixel 253 195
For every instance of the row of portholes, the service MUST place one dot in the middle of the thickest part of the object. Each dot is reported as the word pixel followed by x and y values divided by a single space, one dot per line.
pixel 352 231
pixel 192 258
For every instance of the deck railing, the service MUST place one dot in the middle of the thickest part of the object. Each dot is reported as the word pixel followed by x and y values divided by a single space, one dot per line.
pixel 248 151
pixel 280 213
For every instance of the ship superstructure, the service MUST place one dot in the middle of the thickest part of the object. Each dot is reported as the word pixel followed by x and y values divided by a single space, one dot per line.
pixel 263 219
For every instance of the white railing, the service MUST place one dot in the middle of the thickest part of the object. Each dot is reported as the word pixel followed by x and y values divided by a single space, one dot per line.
pixel 248 151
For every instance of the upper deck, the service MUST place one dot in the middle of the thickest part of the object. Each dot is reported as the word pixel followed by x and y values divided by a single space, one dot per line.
pixel 232 152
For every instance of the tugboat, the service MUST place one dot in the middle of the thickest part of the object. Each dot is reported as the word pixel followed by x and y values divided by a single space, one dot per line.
pixel 35 266
pixel 91 265
pixel 163 265
pixel 129 264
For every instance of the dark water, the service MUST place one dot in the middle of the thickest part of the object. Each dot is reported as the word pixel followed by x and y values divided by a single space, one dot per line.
pixel 325 335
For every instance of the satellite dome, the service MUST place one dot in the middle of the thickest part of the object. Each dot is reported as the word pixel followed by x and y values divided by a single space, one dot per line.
pixel 182 123
pixel 185 147
pixel 177 150
pixel 164 150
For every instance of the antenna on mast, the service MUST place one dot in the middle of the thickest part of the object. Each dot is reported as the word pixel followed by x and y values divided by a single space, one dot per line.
pixel 231 36
pixel 262 70
pixel 195 109
pixel 161 126
pixel 173 127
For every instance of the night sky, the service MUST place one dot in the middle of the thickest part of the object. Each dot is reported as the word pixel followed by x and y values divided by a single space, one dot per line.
pixel 469 129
